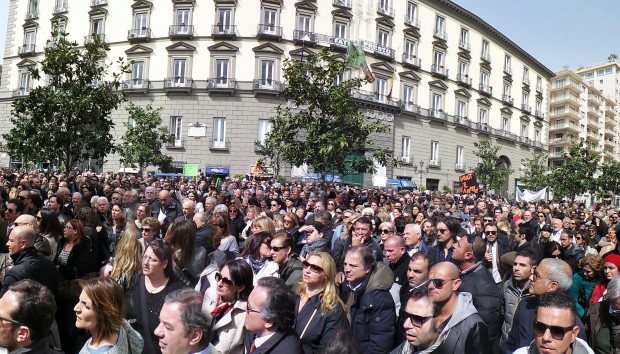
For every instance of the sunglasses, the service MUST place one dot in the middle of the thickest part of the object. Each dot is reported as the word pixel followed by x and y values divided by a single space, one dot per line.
pixel 276 248
pixel 384 231
pixel 416 321
pixel 313 267
pixel 226 281
pixel 439 283
pixel 557 332
pixel 491 232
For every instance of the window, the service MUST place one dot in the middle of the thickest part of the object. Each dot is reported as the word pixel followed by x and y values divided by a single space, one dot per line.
pixel 484 80
pixel 24 81
pixel 506 123
pixel 440 24
pixel 409 96
pixel 183 21
pixel 483 115
pixel 525 98
pixel 221 72
pixel 340 30
pixel 412 12
pixel 464 39
pixel 264 127
pixel 137 73
pixel 97 26
pixel 461 110
pixel 524 129
pixel 436 104
pixel 384 4
pixel 219 132
pixel 507 64
pixel 381 89
pixel 33 9
pixel 538 107
pixel 459 157
pixel 538 84
pixel 526 75
pixel 537 135
pixel 506 90
pixel 29 40
pixel 463 70
pixel 141 24
pixel 61 5
pixel 59 28
pixel 179 71
pixel 176 130
pixel 438 57
pixel 270 20
pixel 485 50
pixel 224 20
pixel 383 38
pixel 304 23
pixel 406 148
pixel 434 153
pixel 410 49
pixel 266 73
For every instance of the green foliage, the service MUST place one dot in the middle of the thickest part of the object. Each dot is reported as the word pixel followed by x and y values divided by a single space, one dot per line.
pixel 239 176
pixel 322 126
pixel 536 168
pixel 68 118
pixel 576 173
pixel 488 172
pixel 446 189
pixel 142 143
pixel 608 182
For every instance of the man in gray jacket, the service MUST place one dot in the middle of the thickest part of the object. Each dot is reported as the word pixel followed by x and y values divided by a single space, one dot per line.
pixel 516 287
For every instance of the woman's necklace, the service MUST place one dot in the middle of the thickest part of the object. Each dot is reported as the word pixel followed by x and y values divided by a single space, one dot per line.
pixel 153 288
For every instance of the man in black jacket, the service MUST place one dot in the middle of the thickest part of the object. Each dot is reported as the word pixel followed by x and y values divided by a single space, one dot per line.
pixel 27 263
pixel 478 281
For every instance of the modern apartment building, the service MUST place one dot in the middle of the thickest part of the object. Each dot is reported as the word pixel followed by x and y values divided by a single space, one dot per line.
pixel 578 110
pixel 215 66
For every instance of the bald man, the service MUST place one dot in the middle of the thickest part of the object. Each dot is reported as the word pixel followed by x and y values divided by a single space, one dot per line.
pixel 395 251
pixel 455 314
pixel 188 207
pixel 169 210
pixel 27 262
pixel 41 244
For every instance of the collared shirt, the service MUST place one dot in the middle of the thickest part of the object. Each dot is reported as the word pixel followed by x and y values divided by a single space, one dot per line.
pixel 206 350
pixel 495 269
pixel 258 341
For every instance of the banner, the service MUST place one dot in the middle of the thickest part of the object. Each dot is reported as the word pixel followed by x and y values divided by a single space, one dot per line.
pixel 469 184
pixel 529 196
pixel 190 169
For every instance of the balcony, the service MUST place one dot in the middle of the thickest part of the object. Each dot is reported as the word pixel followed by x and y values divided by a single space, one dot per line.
pixel 95 3
pixel 304 38
pixel 464 45
pixel 460 120
pixel 507 99
pixel 221 31
pixel 485 89
pixel 268 86
pixel 218 145
pixel 412 21
pixel 269 31
pixel 483 127
pixel 381 51
pixel 485 57
pixel 572 128
pixel 26 50
pixel 593 112
pixel 460 167
pixel 410 107
pixel 385 11
pixel 524 140
pixel 344 4
pixel 440 33
pixel 562 141
pixel 538 113
pixel 439 71
pixel 21 92
pixel 61 8
pixel 593 123
pixel 406 160
pixel 139 35
pixel 376 97
pixel 592 136
pixel 32 14
pixel 94 37
pixel 594 99
pixel 507 70
pixel 437 113
pixel 573 86
pixel 181 31
pixel 434 163
pixel 136 85
pixel 411 61
pixel 526 81
pixel 570 114
pixel 525 108
pixel 610 144
pixel 222 84
pixel 178 84
pixel 464 80
pixel 177 144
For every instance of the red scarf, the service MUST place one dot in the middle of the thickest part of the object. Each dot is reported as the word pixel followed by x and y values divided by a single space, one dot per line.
pixel 220 310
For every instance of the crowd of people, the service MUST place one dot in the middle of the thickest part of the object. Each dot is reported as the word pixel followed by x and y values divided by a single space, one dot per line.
pixel 103 263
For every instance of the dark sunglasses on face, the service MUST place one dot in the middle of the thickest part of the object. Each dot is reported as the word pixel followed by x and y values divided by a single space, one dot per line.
pixel 276 248
pixel 226 281
pixel 416 321
pixel 491 232
pixel 385 231
pixel 557 332
pixel 313 267
pixel 438 283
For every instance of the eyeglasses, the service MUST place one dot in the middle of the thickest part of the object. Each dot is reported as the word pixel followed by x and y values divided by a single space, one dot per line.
pixel 286 221
pixel 277 248
pixel 416 321
pixel 38 218
pixel 313 267
pixel 557 332
pixel 21 197
pixel 149 260
pixel 439 283
pixel 10 321
pixel 490 232
pixel 226 281
pixel 441 231
pixel 488 220
pixel 146 229
pixel 9 210
pixel 535 274
pixel 274 205
pixel 385 231
pixel 69 227
pixel 248 309
pixel 578 238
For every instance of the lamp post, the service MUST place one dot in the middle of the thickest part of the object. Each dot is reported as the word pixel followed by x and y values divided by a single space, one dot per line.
pixel 421 171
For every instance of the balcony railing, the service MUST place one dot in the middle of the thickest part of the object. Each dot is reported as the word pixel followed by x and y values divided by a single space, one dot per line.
pixel 412 21
pixel 409 106
pixel 178 83
pixel 486 57
pixel 60 8
pixel 526 81
pixel 439 70
pixel 385 10
pixel 411 60
pixel 219 145
pixel 508 99
pixel 26 49
pixel 342 3
pixel 304 37
pixel 464 79
pixel 21 92
pixel 460 167
pixel 136 85
pixel 268 86
pixel 94 3
pixel 222 84
pixel 379 50
pixel 464 45
pixel 32 14
pixel 94 37
pixel 181 31
pixel 485 89
pixel 223 31
pixel 462 120
pixel 139 34
pixel 269 30
pixel 507 70
pixel 376 97
pixel 176 144
pixel 434 163
pixel 539 114
pixel 440 33
pixel 525 108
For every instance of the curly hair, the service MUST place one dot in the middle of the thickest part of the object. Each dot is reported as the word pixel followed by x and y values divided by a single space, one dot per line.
pixel 594 261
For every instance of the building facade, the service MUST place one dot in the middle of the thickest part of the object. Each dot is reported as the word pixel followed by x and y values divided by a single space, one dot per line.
pixel 444 78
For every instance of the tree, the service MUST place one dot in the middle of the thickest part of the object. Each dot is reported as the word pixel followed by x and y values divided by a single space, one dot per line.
pixel 535 175
pixel 141 145
pixel 321 126
pixel 608 182
pixel 575 175
pixel 68 118
pixel 488 171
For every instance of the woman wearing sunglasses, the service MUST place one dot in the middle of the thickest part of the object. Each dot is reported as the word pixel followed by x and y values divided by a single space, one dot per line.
pixel 146 300
pixel 257 253
pixel 225 302
pixel 315 240
pixel 283 253
pixel 320 313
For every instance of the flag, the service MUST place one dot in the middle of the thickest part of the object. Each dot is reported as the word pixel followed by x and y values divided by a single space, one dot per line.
pixel 369 75
pixel 357 59
pixel 389 95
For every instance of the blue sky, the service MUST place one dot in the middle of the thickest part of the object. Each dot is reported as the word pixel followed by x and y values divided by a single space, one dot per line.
pixel 556 32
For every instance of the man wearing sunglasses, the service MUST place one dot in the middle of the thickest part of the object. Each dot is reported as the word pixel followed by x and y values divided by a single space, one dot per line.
pixel 555 329
pixel 417 323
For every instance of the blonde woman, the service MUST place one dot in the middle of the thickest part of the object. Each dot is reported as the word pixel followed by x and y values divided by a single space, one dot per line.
pixel 263 224
pixel 319 311
pixel 127 264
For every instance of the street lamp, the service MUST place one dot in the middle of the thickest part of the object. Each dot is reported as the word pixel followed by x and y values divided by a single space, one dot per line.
pixel 420 171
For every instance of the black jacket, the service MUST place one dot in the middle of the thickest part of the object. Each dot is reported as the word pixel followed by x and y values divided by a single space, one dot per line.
pixel 320 328
pixel 279 343
pixel 204 238
pixel 79 263
pixel 28 264
pixel 480 284
pixel 41 346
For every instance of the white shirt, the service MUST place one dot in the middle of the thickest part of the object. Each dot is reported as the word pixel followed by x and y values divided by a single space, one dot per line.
pixel 495 270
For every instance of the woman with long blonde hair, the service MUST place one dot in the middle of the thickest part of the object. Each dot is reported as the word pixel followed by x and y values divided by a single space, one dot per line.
pixel 127 265
pixel 319 311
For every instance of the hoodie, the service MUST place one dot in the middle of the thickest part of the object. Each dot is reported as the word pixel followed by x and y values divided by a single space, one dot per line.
pixel 579 347
pixel 129 342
